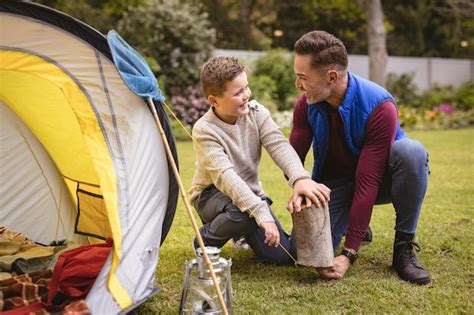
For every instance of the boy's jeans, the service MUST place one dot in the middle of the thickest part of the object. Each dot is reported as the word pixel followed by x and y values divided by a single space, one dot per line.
pixel 223 221
pixel 404 184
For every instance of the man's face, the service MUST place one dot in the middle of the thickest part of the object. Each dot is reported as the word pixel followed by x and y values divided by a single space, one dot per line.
pixel 315 83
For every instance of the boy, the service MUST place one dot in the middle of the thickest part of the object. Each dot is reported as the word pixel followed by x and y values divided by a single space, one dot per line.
pixel 226 190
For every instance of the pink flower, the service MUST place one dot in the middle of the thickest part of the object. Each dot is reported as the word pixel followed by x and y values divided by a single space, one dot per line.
pixel 446 108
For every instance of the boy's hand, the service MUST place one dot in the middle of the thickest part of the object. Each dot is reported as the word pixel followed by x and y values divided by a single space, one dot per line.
pixel 272 236
pixel 310 191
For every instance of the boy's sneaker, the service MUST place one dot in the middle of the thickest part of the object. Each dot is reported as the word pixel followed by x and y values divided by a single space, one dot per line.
pixel 241 244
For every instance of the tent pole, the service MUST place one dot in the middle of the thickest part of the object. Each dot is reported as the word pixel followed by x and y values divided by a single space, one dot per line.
pixel 187 205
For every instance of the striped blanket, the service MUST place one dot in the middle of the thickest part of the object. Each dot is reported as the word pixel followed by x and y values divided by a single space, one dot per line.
pixel 32 290
pixel 24 290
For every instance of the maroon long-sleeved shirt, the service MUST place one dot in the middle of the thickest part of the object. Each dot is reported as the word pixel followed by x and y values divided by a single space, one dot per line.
pixel 367 169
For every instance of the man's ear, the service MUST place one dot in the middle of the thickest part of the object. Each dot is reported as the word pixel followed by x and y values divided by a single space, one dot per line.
pixel 212 100
pixel 332 76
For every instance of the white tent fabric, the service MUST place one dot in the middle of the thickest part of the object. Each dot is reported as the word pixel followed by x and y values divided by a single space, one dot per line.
pixel 33 197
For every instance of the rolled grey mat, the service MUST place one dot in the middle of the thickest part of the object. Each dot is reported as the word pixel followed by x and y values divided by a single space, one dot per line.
pixel 312 230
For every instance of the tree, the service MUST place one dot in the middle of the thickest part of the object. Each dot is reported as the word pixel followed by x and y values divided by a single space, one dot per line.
pixel 430 28
pixel 244 14
pixel 376 38
pixel 437 28
pixel 242 24
pixel 102 15
pixel 174 34
pixel 342 18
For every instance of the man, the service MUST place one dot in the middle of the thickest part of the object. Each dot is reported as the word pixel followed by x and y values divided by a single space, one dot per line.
pixel 360 152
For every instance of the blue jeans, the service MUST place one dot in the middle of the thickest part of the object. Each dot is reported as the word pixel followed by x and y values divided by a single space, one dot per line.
pixel 404 185
pixel 223 221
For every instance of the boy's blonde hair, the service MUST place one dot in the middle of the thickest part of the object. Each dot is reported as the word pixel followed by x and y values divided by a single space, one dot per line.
pixel 217 71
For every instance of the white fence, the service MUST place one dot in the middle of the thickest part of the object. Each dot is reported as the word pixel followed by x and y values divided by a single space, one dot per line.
pixel 426 71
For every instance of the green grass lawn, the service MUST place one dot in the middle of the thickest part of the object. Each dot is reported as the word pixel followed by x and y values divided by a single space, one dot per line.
pixel 445 232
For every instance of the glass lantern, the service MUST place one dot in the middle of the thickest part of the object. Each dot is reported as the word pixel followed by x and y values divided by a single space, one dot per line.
pixel 199 295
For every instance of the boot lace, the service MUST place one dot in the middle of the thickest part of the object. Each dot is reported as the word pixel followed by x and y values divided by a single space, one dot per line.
pixel 407 252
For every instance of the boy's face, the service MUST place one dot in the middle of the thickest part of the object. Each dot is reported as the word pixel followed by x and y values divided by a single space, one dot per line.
pixel 234 102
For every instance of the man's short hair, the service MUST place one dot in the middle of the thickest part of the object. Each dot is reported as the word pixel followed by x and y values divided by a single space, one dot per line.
pixel 217 71
pixel 325 49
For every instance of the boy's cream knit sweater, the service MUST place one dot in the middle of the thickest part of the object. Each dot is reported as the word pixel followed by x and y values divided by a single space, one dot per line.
pixel 232 154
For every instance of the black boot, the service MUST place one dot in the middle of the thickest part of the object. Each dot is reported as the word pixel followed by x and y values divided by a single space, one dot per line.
pixel 367 237
pixel 405 262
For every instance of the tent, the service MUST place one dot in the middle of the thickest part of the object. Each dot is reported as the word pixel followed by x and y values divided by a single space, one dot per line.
pixel 80 155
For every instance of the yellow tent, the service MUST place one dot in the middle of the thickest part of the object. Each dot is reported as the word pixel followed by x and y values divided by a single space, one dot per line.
pixel 80 154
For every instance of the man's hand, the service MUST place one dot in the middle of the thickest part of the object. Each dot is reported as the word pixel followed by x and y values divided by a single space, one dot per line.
pixel 329 273
pixel 341 265
pixel 272 236
pixel 310 191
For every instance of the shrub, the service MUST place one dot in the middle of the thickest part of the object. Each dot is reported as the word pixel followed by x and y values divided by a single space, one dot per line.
pixel 440 117
pixel 178 132
pixel 403 89
pixel 277 64
pixel 264 91
pixel 408 116
pixel 190 105
pixel 437 95
pixel 283 119
pixel 463 98
pixel 406 93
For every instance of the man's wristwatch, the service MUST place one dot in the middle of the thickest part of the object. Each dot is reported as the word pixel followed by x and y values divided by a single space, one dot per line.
pixel 352 256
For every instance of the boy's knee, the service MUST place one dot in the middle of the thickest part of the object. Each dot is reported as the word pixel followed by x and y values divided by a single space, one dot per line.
pixel 235 223
pixel 239 218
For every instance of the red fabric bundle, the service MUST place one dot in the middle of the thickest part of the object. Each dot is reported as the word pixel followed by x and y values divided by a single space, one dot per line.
pixel 76 270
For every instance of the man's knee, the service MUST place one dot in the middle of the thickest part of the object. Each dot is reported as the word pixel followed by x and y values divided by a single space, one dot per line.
pixel 408 151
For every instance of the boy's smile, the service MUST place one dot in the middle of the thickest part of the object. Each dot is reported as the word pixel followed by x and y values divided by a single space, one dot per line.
pixel 234 102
